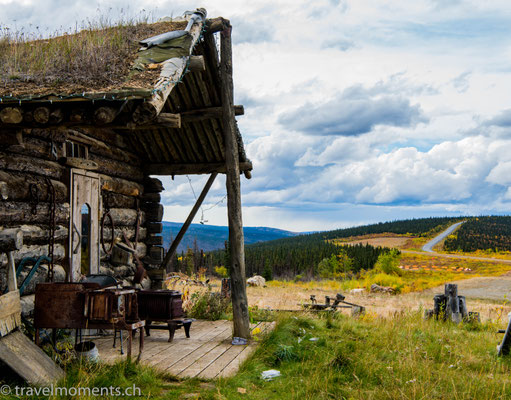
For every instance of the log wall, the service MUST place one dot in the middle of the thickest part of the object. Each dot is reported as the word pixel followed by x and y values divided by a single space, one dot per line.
pixel 32 162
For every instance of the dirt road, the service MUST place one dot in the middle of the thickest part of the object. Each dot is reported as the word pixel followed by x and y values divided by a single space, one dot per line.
pixel 488 259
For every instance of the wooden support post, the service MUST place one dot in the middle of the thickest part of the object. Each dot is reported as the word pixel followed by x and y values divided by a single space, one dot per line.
pixel 173 247
pixel 238 279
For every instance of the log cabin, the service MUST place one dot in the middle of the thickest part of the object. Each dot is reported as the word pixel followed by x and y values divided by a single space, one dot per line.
pixel 86 129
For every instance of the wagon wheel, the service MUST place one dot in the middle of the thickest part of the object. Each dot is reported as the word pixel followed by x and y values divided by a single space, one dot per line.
pixel 112 226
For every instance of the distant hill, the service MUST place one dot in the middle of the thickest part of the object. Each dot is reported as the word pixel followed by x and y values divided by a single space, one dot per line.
pixel 213 237
pixel 300 254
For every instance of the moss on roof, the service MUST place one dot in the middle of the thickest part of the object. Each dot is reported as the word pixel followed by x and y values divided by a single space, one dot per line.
pixel 92 60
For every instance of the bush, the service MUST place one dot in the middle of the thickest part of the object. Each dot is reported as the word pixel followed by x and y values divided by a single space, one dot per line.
pixel 388 263
pixel 207 305
pixel 221 271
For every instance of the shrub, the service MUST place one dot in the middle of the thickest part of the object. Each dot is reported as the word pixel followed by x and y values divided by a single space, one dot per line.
pixel 207 305
pixel 388 263
pixel 221 271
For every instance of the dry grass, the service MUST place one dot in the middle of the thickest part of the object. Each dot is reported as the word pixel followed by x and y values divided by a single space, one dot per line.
pixel 383 241
pixel 96 58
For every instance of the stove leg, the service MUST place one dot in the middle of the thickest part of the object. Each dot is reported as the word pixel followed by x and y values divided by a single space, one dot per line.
pixel 148 328
pixel 187 326
pixel 36 336
pixel 172 330
pixel 122 349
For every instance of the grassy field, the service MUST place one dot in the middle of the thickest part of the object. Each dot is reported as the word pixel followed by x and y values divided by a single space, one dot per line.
pixel 399 357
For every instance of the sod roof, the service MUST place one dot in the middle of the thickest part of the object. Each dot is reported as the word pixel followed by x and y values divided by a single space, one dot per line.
pixel 92 60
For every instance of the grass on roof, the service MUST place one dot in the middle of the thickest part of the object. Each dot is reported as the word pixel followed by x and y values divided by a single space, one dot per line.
pixel 97 58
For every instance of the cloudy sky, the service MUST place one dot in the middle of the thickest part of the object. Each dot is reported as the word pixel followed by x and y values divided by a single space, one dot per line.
pixel 355 111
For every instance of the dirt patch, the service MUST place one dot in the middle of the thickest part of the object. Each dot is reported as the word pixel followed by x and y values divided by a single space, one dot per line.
pixel 390 241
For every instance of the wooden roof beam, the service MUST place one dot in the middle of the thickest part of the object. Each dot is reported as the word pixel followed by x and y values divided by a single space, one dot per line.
pixel 193 169
pixel 208 113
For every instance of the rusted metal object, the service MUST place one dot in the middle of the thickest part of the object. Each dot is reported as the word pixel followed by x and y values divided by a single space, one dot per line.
pixel 332 304
pixel 61 305
pixel 163 306
pixel 111 305
pixel 86 305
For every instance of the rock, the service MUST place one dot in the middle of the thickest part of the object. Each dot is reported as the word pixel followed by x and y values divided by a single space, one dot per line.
pixel 27 305
pixel 382 289
pixel 256 280
pixel 357 291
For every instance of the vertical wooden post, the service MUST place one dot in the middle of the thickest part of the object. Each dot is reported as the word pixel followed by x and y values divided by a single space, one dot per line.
pixel 237 245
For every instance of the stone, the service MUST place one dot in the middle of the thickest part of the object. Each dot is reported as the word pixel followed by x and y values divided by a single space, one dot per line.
pixel 381 289
pixel 256 280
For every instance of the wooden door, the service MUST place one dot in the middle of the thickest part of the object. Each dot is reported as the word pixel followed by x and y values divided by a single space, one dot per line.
pixel 84 224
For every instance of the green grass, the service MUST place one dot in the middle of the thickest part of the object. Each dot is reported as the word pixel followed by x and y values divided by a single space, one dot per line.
pixel 402 357
pixel 373 358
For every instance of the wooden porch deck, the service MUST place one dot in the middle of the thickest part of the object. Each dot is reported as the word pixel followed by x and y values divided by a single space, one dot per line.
pixel 207 354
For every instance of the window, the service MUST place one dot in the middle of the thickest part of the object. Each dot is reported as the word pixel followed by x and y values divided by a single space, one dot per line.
pixel 78 150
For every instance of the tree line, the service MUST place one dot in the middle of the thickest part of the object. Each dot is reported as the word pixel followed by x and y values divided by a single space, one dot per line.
pixel 481 233
pixel 302 254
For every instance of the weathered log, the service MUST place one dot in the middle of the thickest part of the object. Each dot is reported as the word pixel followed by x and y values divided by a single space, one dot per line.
pixel 56 116
pixel 40 276
pixel 77 162
pixel 20 186
pixel 196 64
pixel 192 169
pixel 148 110
pixel 126 216
pixel 10 240
pixel 31 165
pixel 154 227
pixel 105 115
pixel 11 212
pixel 101 141
pixel 214 25
pixel 41 115
pixel 116 200
pixel 151 197
pixel 115 168
pixel 241 322
pixel 122 186
pixel 153 211
pixel 169 120
pixel 155 253
pixel 207 113
pixel 59 253
pixel 153 185
pixel 121 231
pixel 33 234
pixel 154 240
pixel 11 115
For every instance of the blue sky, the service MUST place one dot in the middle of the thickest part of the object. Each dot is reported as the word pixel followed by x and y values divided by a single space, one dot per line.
pixel 356 111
